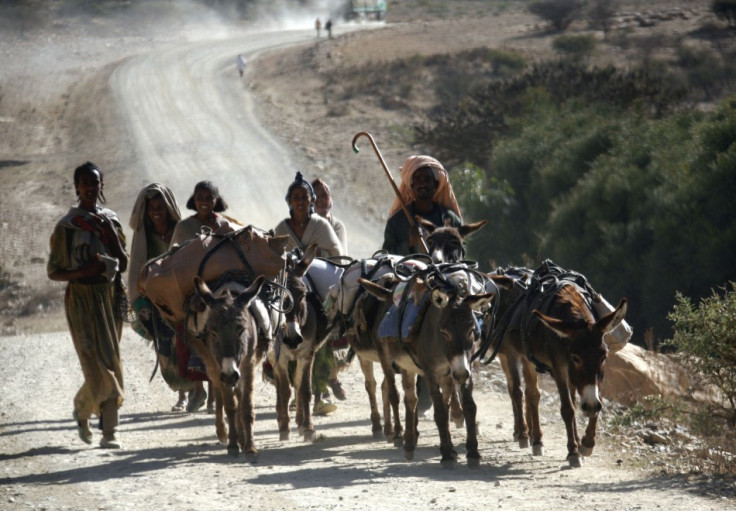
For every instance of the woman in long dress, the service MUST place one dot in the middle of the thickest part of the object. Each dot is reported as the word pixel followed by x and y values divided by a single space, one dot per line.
pixel 304 227
pixel 153 219
pixel 208 205
pixel 87 250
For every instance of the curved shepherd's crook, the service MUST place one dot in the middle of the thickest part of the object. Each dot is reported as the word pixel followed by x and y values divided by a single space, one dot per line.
pixel 412 222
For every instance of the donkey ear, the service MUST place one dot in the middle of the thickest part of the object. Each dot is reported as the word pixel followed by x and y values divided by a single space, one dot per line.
pixel 479 301
pixel 246 296
pixel 202 296
pixel 309 254
pixel 425 224
pixel 502 281
pixel 614 319
pixel 278 243
pixel 556 325
pixel 468 229
pixel 439 298
pixel 376 290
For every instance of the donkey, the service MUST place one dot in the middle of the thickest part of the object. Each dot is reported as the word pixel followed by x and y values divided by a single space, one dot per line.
pixel 446 243
pixel 439 349
pixel 566 341
pixel 445 246
pixel 300 336
pixel 227 340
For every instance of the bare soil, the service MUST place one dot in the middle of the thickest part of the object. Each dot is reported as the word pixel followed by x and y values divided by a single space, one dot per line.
pixel 57 109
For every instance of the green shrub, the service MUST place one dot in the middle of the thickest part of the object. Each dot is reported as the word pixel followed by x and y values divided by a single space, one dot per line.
pixel 576 47
pixel 706 337
pixel 725 10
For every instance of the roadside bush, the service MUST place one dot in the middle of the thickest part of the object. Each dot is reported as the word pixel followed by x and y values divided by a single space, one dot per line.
pixel 576 47
pixel 725 10
pixel 705 335
pixel 558 13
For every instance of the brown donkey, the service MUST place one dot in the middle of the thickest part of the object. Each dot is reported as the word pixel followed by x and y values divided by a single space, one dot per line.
pixel 566 341
pixel 227 341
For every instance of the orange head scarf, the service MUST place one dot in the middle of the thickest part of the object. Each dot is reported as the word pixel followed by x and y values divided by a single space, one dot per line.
pixel 444 194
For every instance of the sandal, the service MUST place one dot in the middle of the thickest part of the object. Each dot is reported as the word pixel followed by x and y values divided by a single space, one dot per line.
pixel 180 405
pixel 85 434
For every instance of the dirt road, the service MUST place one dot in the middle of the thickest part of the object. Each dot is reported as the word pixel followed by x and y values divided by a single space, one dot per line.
pixel 191 117
pixel 173 461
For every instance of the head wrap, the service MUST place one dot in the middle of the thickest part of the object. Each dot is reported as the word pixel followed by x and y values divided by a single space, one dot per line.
pixel 444 194
pixel 138 215
pixel 300 181
pixel 139 244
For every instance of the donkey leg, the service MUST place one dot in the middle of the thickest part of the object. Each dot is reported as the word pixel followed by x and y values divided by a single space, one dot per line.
pixel 588 443
pixel 391 393
pixel 409 382
pixel 303 380
pixel 532 396
pixel 511 368
pixel 471 426
pixel 441 404
pixel 567 410
pixel 366 366
pixel 247 412
pixel 231 410
pixel 456 411
pixel 283 394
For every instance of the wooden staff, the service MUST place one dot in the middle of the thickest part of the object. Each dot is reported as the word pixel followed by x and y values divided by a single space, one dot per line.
pixel 412 222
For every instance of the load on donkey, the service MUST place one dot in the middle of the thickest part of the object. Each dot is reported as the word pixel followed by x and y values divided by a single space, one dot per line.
pixel 216 275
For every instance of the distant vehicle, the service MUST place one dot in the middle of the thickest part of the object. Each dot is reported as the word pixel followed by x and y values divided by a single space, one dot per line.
pixel 366 9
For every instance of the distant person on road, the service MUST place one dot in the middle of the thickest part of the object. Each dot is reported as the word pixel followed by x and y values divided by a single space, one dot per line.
pixel 241 65
pixel 87 250
pixel 318 26
pixel 328 27
pixel 153 219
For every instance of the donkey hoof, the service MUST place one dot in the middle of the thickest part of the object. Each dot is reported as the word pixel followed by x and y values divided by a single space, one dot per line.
pixel 283 436
pixel 377 434
pixel 473 461
pixel 251 454
pixel 585 451
pixel 459 421
pixel 523 443
pixel 408 455
pixel 233 450
pixel 448 463
pixel 537 450
pixel 575 460
pixel 308 435
pixel 398 441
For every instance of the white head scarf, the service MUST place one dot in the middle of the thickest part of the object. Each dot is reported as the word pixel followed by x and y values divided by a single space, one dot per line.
pixel 444 194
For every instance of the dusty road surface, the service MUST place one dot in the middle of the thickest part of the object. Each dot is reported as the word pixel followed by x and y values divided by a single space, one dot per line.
pixel 174 111
pixel 173 461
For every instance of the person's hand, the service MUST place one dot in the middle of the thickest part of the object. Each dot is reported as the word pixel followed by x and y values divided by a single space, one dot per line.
pixel 93 268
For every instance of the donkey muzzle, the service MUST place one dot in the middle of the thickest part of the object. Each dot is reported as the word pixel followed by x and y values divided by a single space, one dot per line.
pixel 230 373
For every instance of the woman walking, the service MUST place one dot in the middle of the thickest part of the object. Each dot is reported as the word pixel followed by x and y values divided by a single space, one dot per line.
pixel 88 252
pixel 154 216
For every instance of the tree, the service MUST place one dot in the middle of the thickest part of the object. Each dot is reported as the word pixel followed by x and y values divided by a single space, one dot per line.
pixel 601 14
pixel 559 13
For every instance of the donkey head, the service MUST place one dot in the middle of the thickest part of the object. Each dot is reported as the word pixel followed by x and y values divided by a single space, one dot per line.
pixel 584 349
pixel 228 324
pixel 296 317
pixel 445 243
pixel 454 319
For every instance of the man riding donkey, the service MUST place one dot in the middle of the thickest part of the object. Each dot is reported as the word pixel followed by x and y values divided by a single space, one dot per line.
pixel 425 191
